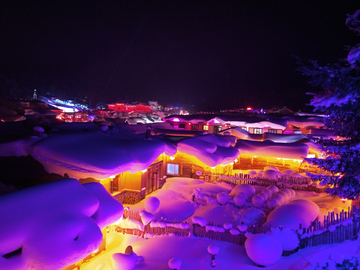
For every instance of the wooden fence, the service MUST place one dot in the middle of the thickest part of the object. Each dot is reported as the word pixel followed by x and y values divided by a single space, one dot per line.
pixel 283 182
pixel 335 228
pixel 167 227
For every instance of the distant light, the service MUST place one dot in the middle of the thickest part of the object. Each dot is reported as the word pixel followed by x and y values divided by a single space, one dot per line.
pixel 143 188
pixel 311 156
pixel 189 123
pixel 113 176
pixel 144 171
pixel 213 168
pixel 232 163
pixel 172 158
pixel 176 120
pixel 254 156
pixel 236 160
pixel 343 200
pixel 249 109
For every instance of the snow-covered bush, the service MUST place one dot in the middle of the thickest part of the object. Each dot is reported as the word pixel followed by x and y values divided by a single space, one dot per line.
pixel 222 198
pixel 258 201
pixel 288 238
pixel 123 261
pixel 146 217
pixel 174 263
pixel 272 203
pixel 213 249
pixel 263 249
pixel 227 226
pixel 251 216
pixel 249 190
pixel 292 214
pixel 199 220
pixel 151 204
pixel 239 200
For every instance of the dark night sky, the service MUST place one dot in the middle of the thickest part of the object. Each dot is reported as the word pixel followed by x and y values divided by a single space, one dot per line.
pixel 210 54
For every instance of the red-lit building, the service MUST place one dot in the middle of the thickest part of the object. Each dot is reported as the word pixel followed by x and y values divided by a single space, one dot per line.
pixel 128 108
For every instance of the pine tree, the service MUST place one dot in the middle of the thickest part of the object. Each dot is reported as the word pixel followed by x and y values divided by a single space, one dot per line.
pixel 340 100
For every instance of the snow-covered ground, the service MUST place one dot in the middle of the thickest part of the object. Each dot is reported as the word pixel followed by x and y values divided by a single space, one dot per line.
pixel 176 203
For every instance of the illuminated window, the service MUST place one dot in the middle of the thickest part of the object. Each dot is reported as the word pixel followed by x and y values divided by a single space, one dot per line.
pixel 206 127
pixel 257 131
pixel 173 169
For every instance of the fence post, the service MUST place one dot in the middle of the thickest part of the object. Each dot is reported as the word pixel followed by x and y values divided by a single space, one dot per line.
pixel 355 235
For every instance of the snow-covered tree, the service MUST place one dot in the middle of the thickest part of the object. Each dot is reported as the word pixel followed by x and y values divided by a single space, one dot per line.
pixel 340 100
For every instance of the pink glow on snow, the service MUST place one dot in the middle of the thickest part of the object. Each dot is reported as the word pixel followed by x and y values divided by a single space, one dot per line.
pixel 55 224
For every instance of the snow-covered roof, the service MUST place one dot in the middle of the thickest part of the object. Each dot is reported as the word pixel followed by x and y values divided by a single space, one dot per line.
pixel 272 149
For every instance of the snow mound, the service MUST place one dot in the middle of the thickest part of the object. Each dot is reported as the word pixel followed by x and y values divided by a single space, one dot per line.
pixel 292 214
pixel 199 220
pixel 146 217
pixel 110 210
pixel 151 204
pixel 257 201
pixel 123 261
pixel 239 200
pixel 251 216
pixel 51 224
pixel 196 182
pixel 249 190
pixel 263 249
pixel 287 237
pixel 222 198
pixel 213 249
pixel 271 174
pixel 175 263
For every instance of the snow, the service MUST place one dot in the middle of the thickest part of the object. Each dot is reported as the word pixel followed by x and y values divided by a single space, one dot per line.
pixel 123 261
pixel 292 214
pixel 175 263
pixel 110 210
pixel 272 149
pixel 246 189
pixel 213 249
pixel 199 220
pixel 222 198
pixel 151 204
pixel 287 237
pixel 192 251
pixel 209 150
pixel 49 238
pixel 263 249
pixel 146 217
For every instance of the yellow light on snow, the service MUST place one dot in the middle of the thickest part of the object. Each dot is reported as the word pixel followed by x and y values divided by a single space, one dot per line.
pixel 144 171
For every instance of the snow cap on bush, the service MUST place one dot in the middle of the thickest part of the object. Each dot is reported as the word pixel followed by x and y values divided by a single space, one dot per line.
pixel 257 201
pixel 249 190
pixel 239 200
pixel 151 204
pixel 199 220
pixel 123 261
pixel 213 249
pixel 174 263
pixel 263 249
pixel 287 237
pixel 222 198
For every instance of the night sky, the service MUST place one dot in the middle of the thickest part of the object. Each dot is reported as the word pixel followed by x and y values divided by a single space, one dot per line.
pixel 198 54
